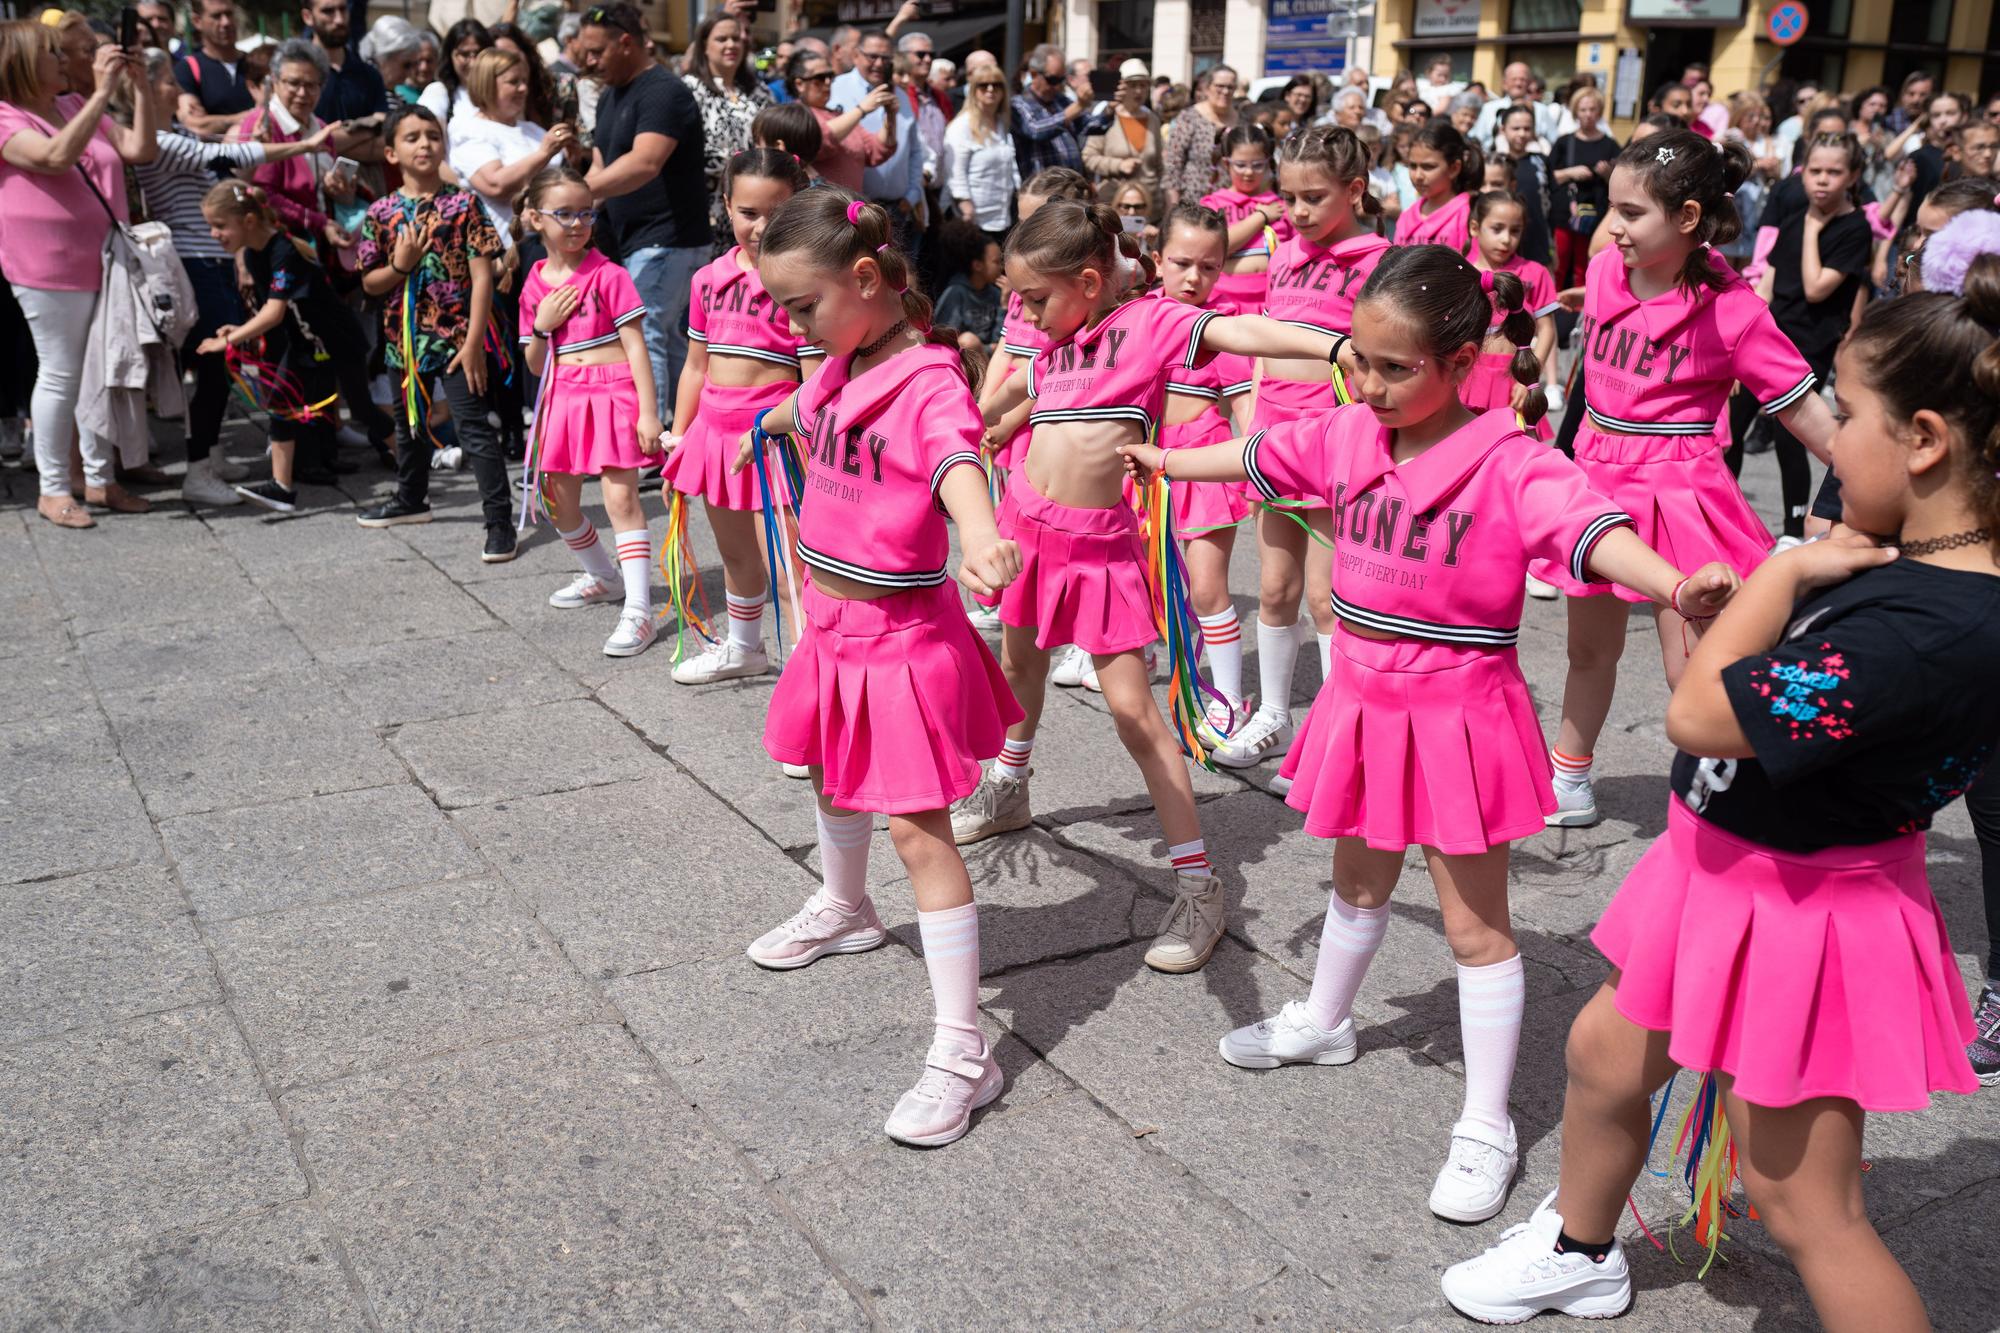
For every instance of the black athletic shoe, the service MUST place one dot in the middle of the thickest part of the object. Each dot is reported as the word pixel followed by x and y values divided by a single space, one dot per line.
pixel 393 514
pixel 500 544
pixel 1984 1049
pixel 270 495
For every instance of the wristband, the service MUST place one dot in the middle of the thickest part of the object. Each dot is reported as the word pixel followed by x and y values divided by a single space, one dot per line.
pixel 1340 340
pixel 1674 603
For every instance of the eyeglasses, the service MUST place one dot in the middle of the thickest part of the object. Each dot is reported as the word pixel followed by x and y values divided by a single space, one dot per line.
pixel 1261 164
pixel 1132 210
pixel 872 57
pixel 300 85
pixel 570 217
pixel 1222 87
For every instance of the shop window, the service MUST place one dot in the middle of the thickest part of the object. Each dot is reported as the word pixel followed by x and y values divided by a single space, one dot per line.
pixel 1554 65
pixel 1920 23
pixel 1545 16
pixel 1125 26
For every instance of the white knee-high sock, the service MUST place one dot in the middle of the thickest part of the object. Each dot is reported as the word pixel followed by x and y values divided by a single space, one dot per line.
pixel 635 563
pixel 1277 654
pixel 1222 636
pixel 1325 656
pixel 843 858
pixel 590 552
pixel 951 955
pixel 1491 1001
pixel 746 621
pixel 1347 945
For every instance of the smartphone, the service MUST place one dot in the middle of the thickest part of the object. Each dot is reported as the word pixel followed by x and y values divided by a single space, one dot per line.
pixel 1132 225
pixel 346 166
pixel 128 29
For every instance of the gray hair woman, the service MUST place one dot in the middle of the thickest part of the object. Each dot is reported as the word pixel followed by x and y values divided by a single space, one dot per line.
pixel 296 186
pixel 394 46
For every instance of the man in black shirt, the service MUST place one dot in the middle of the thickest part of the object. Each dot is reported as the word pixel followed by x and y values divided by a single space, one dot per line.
pixel 213 96
pixel 646 172
pixel 353 86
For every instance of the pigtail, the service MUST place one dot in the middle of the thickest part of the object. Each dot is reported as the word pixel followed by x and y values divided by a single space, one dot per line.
pixel 1517 325
pixel 1981 294
pixel 1139 267
pixel 1472 167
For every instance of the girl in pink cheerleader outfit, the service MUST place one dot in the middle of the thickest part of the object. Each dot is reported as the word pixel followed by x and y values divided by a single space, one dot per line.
pixel 1495 383
pixel 889 699
pixel 1667 329
pixel 1100 383
pixel 1446 170
pixel 742 358
pixel 598 418
pixel 1781 935
pixel 1314 278
pixel 1424 733
pixel 1255 214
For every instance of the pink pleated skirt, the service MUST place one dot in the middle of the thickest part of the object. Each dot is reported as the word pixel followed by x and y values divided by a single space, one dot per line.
pixel 589 420
pixel 1245 291
pixel 1801 975
pixel 1683 502
pixel 1202 507
pixel 1280 401
pixel 1083 573
pixel 1414 743
pixel 1490 388
pixel 700 465
pixel 898 700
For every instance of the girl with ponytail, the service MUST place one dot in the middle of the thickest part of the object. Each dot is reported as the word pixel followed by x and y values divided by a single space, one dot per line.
pixel 1446 170
pixel 1781 936
pixel 889 700
pixel 1668 327
pixel 1254 212
pixel 1522 336
pixel 1423 733
pixel 1102 383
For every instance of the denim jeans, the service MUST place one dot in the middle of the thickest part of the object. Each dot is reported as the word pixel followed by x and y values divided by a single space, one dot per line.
pixel 664 276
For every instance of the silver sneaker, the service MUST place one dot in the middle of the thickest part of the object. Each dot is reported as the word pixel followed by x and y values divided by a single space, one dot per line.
pixel 586 590
pixel 1290 1037
pixel 202 486
pixel 1265 736
pixel 998 805
pixel 1192 928
pixel 1071 668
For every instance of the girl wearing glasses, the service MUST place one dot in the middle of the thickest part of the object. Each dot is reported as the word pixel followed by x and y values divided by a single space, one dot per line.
pixel 599 417
pixel 1255 214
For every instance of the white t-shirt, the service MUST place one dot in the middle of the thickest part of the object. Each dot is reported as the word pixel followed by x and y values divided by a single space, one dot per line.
pixel 476 141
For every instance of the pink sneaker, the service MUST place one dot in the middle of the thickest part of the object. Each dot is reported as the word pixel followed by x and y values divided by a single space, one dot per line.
pixel 939 1109
pixel 819 929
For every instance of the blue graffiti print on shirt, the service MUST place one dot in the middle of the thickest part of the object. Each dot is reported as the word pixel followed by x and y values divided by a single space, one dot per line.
pixel 1806 694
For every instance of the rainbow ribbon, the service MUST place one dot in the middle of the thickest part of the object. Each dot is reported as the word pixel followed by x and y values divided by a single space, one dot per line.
pixel 268 387
pixel 1702 1139
pixel 1174 617
pixel 1344 396
pixel 777 505
pixel 532 499
pixel 677 567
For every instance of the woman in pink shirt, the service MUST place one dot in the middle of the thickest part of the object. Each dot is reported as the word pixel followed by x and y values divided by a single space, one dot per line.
pixel 1424 733
pixel 1667 328
pixel 62 185
pixel 845 149
pixel 889 699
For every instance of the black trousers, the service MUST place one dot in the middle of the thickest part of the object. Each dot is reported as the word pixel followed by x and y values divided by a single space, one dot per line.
pixel 470 415
pixel 1982 802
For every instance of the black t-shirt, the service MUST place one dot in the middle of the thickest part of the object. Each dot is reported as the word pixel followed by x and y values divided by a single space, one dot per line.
pixel 316 321
pixel 221 90
pixel 353 89
pixel 1816 327
pixel 1787 201
pixel 1531 182
pixel 1875 711
pixel 1930 171
pixel 1593 196
pixel 672 209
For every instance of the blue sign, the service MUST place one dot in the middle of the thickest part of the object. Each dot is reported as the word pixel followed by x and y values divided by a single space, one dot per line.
pixel 1305 59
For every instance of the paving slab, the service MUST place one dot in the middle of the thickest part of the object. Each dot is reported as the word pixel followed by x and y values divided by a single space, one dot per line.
pixel 44 684
pixel 67 802
pixel 94 949
pixel 476 760
pixel 557 1183
pixel 252 641
pixel 414 681
pixel 401 600
pixel 109 1136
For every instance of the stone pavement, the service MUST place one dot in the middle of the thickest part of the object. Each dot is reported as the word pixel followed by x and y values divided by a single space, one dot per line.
pixel 374 960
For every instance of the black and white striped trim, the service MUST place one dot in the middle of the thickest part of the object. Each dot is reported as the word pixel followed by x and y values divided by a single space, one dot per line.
pixel 1579 557
pixel 1239 388
pixel 1193 390
pixel 561 349
pixel 874 577
pixel 1789 396
pixel 1316 328
pixel 636 312
pixel 946 464
pixel 1484 636
pixel 1193 356
pixel 1138 414
pixel 1257 478
pixel 1619 426
pixel 810 350
pixel 755 354
pixel 1015 349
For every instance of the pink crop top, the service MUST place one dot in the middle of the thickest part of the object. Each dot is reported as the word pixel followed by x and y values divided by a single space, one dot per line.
pixel 1314 286
pixel 1224 375
pixel 1435 548
pixel 1117 369
pixel 1234 205
pixel 1017 335
pixel 877 448
pixel 730 312
pixel 609 303
pixel 1665 366
pixel 1450 225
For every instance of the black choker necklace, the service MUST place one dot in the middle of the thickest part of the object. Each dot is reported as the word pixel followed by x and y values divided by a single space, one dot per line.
pixel 898 327
pixel 1932 545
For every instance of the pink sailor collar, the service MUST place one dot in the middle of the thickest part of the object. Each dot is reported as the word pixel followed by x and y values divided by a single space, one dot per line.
pixel 1663 314
pixel 1434 474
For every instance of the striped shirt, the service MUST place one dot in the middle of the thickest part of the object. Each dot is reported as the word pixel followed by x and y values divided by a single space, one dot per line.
pixel 175 182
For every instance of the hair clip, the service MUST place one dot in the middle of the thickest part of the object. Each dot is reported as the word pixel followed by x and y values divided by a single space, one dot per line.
pixel 854 213
pixel 1664 155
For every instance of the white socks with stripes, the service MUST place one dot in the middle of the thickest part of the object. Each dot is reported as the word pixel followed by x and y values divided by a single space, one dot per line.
pixel 1491 1000
pixel 1277 654
pixel 1014 756
pixel 1191 859
pixel 1222 636
pixel 635 562
pixel 589 553
pixel 746 622
pixel 1347 945
pixel 951 955
pixel 843 859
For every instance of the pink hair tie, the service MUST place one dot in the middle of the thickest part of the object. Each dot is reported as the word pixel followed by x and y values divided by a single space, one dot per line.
pixel 1486 282
pixel 880 248
pixel 854 213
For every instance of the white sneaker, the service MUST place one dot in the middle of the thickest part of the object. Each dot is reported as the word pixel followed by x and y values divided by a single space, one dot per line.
pixel 586 590
pixel 224 467
pixel 1280 786
pixel 1289 1038
pixel 818 929
pixel 1576 806
pixel 1071 668
pixel 939 1109
pixel 202 487
pixel 1089 681
pixel 1473 1184
pixel 1542 592
pixel 451 458
pixel 634 635
pixel 983 617
pixel 796 770
pixel 1266 735
pixel 1523 1275
pixel 1786 543
pixel 722 661
pixel 1225 717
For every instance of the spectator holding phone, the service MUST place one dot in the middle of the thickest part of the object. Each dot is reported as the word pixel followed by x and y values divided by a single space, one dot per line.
pixel 897 181
pixel 1126 150
pixel 295 184
pixel 846 146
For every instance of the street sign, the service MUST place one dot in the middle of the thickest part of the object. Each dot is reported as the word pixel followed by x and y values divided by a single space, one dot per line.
pixel 1787 23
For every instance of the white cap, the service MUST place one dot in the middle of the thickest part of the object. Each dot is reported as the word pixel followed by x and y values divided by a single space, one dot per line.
pixel 1134 69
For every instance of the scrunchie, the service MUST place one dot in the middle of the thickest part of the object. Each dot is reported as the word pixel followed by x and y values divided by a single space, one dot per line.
pixel 1486 281
pixel 854 213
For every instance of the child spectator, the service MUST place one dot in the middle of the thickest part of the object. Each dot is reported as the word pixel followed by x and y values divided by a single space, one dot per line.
pixel 969 259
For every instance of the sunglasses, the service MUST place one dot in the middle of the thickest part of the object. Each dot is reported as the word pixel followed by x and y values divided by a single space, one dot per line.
pixel 824 76
pixel 982 87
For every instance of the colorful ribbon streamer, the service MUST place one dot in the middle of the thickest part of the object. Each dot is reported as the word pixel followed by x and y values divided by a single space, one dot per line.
pixel 267 386
pixel 532 499
pixel 1702 1139
pixel 1174 617
pixel 777 505
pixel 677 567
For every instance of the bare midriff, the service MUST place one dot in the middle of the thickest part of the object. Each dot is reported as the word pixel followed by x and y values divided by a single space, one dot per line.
pixel 847 589
pixel 1259 262
pixel 605 354
pixel 729 371
pixel 1076 463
